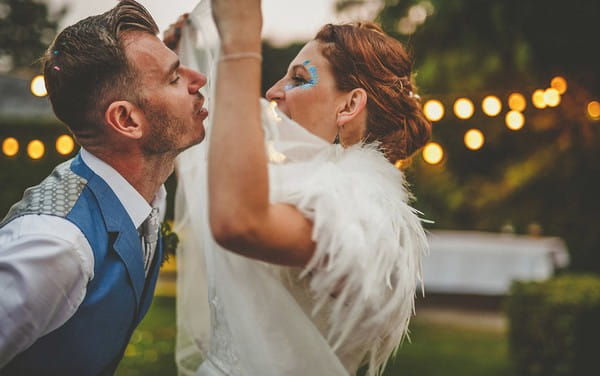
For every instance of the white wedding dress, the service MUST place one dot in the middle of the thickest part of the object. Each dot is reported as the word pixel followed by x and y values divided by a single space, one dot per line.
pixel 351 304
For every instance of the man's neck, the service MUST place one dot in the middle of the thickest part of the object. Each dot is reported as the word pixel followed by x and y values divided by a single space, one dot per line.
pixel 145 173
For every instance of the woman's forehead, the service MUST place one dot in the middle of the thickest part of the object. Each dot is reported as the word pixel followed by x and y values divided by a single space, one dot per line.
pixel 309 54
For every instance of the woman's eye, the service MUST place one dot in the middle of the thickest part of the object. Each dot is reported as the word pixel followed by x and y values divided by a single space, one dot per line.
pixel 175 80
pixel 299 80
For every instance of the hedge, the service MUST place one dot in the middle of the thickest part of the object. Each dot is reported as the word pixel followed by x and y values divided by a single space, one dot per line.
pixel 554 326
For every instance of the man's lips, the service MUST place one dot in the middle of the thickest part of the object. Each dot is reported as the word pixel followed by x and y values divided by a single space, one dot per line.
pixel 203 113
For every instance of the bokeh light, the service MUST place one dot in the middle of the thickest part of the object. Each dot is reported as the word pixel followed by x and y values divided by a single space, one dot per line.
pixel 433 153
pixel 401 164
pixel 514 120
pixel 10 147
pixel 491 105
pixel 593 110
pixel 552 97
pixel 36 149
pixel 38 86
pixel 474 139
pixel 463 108
pixel 559 83
pixel 434 110
pixel 517 102
pixel 538 99
pixel 65 144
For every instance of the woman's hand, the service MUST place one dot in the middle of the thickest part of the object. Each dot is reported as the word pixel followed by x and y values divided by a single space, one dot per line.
pixel 172 35
pixel 239 23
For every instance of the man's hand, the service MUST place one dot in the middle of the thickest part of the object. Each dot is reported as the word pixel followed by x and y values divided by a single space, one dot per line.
pixel 172 35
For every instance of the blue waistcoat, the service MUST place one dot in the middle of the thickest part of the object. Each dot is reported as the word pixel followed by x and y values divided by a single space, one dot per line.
pixel 93 340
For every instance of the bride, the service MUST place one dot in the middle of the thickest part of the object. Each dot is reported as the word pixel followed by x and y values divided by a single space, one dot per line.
pixel 299 253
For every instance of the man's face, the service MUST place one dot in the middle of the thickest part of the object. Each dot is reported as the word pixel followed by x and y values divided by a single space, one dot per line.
pixel 171 102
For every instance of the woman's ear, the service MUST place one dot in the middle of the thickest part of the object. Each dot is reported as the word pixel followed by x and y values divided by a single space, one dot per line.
pixel 354 104
pixel 125 118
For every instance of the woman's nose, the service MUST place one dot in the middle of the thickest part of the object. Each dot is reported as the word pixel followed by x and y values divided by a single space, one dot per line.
pixel 276 92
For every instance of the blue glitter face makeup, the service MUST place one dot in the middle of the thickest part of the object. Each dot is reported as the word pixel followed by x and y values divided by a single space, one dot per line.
pixel 304 84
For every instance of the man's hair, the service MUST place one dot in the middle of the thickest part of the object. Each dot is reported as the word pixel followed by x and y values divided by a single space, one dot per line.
pixel 86 68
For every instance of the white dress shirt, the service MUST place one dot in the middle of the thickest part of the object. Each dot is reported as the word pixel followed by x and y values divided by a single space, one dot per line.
pixel 46 263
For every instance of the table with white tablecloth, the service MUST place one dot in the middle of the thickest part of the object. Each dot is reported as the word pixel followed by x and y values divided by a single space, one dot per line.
pixel 469 262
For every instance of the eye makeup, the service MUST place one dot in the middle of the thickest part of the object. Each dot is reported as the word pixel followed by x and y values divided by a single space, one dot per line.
pixel 300 82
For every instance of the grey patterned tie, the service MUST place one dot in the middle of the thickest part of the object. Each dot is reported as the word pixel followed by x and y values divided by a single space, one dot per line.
pixel 150 233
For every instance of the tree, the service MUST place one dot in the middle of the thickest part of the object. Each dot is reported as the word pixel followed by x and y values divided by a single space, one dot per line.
pixel 26 30
pixel 546 173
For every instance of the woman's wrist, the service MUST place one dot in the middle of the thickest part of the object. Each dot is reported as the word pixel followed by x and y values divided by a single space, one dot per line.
pixel 237 45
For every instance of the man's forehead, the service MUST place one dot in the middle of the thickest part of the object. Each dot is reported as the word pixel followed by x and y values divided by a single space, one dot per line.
pixel 147 53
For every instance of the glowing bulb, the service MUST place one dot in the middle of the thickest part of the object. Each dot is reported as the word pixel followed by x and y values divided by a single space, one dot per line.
pixel 10 147
pixel 35 149
pixel 593 110
pixel 559 83
pixel 514 120
pixel 433 153
pixel 401 164
pixel 552 97
pixel 417 14
pixel 434 110
pixel 463 108
pixel 474 139
pixel 517 102
pixel 65 144
pixel 38 87
pixel 491 105
pixel 538 99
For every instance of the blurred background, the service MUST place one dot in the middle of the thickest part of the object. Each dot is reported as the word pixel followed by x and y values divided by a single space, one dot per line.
pixel 510 178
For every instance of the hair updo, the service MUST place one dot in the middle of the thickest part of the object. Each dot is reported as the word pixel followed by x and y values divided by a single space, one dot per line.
pixel 362 55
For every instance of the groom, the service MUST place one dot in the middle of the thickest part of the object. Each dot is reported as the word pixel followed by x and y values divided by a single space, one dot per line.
pixel 80 253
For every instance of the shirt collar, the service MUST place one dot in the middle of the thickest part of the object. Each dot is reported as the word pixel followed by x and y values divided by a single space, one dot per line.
pixel 134 203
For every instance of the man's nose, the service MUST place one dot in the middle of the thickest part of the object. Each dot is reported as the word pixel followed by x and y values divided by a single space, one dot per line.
pixel 196 81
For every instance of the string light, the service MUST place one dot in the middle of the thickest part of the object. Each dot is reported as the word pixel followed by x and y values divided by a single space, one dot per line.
pixel 434 110
pixel 538 99
pixel 36 149
pixel 463 108
pixel 552 97
pixel 593 110
pixel 401 164
pixel 65 144
pixel 491 105
pixel 10 147
pixel 559 83
pixel 514 120
pixel 433 153
pixel 474 139
pixel 517 102
pixel 38 86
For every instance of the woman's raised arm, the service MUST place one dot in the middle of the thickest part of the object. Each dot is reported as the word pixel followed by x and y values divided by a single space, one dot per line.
pixel 241 216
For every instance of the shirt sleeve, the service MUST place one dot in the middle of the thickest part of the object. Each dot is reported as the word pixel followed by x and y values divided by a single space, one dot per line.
pixel 45 265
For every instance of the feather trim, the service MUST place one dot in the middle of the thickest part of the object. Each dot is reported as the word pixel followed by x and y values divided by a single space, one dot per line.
pixel 369 244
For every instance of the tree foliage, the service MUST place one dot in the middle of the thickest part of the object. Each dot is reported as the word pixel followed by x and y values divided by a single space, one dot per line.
pixel 26 29
pixel 547 173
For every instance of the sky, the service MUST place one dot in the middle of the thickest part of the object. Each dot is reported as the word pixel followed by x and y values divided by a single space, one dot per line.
pixel 283 20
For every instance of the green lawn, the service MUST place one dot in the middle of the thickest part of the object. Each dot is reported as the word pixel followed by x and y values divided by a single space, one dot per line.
pixel 435 349
pixel 438 349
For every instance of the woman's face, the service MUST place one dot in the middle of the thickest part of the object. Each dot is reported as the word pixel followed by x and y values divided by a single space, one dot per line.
pixel 308 94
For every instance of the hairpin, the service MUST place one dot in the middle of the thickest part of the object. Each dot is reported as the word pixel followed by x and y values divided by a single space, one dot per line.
pixel 55 52
pixel 56 68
